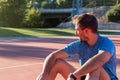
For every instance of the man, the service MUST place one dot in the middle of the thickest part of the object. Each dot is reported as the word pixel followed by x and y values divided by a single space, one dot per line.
pixel 96 55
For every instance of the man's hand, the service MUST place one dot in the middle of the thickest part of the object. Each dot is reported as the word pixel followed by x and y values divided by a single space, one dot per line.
pixel 71 77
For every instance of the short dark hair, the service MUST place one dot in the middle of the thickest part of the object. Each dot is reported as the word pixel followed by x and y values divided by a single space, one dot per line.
pixel 86 21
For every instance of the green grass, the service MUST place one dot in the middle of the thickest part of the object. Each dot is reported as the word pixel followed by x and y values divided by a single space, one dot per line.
pixel 37 32
pixel 110 32
pixel 34 32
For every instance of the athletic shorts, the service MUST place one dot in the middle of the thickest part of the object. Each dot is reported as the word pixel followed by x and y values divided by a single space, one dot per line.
pixel 83 77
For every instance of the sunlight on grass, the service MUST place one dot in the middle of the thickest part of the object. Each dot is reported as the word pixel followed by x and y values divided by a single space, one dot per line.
pixel 16 32
pixel 37 32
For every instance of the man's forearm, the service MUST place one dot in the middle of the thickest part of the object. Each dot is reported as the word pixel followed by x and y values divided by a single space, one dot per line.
pixel 92 64
pixel 88 67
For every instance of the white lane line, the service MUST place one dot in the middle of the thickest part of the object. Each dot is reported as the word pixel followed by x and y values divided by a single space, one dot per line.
pixel 17 66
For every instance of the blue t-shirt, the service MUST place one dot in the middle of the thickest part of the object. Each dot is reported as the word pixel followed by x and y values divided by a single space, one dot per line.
pixel 85 52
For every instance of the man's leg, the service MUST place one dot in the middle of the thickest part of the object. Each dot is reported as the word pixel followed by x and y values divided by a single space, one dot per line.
pixel 99 74
pixel 104 75
pixel 62 67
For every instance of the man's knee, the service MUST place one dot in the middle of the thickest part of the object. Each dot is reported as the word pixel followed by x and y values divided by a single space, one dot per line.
pixel 58 63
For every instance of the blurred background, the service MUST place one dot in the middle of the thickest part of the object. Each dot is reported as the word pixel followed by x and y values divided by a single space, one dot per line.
pixel 57 13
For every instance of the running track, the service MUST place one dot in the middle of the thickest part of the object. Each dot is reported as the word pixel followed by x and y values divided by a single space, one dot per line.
pixel 22 58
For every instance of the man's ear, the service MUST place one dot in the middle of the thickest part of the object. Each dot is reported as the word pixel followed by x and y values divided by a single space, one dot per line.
pixel 86 30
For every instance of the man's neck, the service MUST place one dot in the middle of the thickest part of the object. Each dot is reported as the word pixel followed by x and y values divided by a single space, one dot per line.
pixel 92 40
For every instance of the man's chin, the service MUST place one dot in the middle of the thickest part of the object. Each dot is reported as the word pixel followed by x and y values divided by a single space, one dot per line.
pixel 83 40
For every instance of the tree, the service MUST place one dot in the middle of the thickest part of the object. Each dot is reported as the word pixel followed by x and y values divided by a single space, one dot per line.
pixel 68 3
pixel 32 19
pixel 12 12
pixel 55 3
pixel 113 14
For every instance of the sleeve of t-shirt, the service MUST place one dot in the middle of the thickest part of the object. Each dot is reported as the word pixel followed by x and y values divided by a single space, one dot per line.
pixel 72 48
pixel 108 46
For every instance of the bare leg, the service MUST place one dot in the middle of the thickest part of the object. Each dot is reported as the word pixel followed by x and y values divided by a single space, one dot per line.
pixel 62 67
pixel 93 75
pixel 104 75
pixel 99 74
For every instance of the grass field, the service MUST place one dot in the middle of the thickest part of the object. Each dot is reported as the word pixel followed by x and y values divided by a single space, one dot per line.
pixel 36 32
pixel 18 32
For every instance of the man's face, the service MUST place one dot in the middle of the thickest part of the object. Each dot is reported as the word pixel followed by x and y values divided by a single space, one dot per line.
pixel 81 33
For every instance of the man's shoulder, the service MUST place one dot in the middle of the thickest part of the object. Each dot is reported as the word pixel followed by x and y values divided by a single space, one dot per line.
pixel 107 45
pixel 105 39
pixel 77 44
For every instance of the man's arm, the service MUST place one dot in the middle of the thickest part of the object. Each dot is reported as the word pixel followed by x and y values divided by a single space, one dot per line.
pixel 51 59
pixel 93 63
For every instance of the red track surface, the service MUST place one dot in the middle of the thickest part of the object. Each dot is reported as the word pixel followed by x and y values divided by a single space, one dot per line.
pixel 22 59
